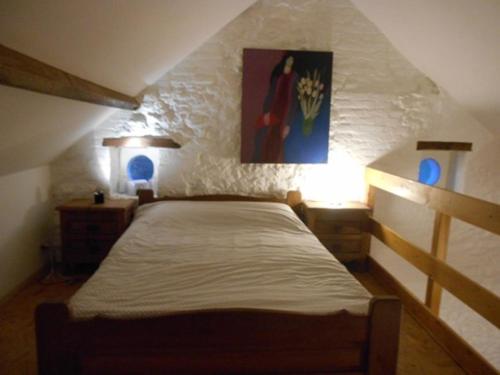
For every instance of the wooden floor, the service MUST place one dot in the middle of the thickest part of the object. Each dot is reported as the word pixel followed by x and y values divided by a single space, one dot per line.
pixel 419 354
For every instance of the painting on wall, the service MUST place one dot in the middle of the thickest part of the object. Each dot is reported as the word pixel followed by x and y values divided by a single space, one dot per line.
pixel 285 106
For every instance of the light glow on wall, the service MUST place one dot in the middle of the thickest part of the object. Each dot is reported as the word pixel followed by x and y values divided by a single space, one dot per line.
pixel 119 162
pixel 134 142
pixel 104 162
pixel 341 180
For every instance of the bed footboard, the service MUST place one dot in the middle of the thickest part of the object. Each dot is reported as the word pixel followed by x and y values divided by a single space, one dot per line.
pixel 220 341
pixel 383 342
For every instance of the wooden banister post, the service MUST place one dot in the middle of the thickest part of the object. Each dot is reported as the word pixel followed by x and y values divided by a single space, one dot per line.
pixel 293 198
pixel 370 202
pixel 370 196
pixel 145 196
pixel 439 250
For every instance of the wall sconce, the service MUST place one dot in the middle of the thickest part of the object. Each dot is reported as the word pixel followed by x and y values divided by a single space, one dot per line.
pixel 443 163
pixel 141 142
pixel 131 153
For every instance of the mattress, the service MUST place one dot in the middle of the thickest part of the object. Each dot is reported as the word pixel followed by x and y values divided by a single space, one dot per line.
pixel 180 256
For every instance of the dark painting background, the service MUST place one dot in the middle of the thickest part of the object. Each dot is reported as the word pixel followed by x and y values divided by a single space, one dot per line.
pixel 258 67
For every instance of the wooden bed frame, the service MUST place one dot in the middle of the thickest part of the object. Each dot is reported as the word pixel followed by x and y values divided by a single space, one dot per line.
pixel 222 341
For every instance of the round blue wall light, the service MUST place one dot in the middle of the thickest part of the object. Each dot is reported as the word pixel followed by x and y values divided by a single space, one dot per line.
pixel 140 167
pixel 429 171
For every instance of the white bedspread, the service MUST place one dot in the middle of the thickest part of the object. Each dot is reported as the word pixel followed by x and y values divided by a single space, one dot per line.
pixel 180 256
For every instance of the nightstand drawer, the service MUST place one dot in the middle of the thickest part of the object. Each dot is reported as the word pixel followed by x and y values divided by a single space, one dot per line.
pixel 91 227
pixel 337 227
pixel 89 231
pixel 89 245
pixel 104 216
pixel 97 215
pixel 341 228
pixel 84 256
pixel 343 246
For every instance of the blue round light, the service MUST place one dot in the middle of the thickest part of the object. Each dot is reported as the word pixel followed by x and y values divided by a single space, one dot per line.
pixel 429 171
pixel 140 167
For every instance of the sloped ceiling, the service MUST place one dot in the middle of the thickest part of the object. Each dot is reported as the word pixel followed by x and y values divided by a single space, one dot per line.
pixel 122 44
pixel 456 43
pixel 128 44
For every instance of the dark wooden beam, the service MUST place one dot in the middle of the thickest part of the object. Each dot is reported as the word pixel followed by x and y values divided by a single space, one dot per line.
pixel 24 72
pixel 145 141
pixel 445 146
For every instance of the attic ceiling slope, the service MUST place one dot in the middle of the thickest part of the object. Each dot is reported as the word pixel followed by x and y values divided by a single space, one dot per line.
pixel 121 44
pixel 453 42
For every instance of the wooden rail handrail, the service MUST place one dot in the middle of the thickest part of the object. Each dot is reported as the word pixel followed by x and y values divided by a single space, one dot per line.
pixel 447 204
pixel 484 302
pixel 474 211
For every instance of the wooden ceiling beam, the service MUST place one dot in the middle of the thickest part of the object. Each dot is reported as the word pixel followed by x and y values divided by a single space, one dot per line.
pixel 144 141
pixel 21 71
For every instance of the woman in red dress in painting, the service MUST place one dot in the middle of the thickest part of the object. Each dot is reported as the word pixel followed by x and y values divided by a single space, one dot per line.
pixel 273 126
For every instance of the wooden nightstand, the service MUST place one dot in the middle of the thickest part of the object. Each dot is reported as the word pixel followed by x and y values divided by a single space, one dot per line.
pixel 88 230
pixel 341 228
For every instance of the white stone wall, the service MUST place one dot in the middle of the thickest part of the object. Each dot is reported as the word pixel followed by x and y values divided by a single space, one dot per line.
pixel 380 106
pixel 379 100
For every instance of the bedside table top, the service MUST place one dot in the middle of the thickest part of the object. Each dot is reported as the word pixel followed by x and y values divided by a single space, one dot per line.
pixel 88 204
pixel 320 205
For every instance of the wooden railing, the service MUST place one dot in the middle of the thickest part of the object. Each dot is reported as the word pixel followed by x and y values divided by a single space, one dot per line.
pixel 447 205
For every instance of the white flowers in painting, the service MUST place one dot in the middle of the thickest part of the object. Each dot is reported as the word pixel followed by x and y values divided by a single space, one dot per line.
pixel 310 95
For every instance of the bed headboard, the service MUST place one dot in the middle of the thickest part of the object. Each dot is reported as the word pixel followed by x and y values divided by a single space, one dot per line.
pixel 293 198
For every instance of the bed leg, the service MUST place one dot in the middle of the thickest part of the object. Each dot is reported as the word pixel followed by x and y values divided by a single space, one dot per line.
pixel 50 321
pixel 385 318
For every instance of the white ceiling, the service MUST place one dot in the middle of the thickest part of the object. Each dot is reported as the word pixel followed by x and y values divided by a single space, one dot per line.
pixel 122 44
pixel 456 43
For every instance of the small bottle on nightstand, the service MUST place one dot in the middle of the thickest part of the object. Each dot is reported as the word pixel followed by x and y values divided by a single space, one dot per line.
pixel 98 196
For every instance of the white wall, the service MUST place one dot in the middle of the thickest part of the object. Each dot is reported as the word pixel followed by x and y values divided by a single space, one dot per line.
pixel 455 42
pixel 379 100
pixel 124 45
pixel 26 206
pixel 381 105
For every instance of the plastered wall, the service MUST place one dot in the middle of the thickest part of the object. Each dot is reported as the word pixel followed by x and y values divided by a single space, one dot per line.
pixel 381 105
pixel 26 205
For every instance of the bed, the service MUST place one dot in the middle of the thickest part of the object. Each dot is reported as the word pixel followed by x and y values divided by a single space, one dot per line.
pixel 219 284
